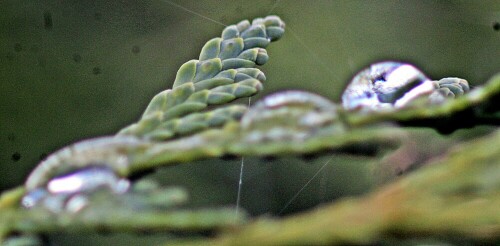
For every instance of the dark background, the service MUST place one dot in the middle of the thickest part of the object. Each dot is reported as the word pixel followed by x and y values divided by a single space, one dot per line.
pixel 71 70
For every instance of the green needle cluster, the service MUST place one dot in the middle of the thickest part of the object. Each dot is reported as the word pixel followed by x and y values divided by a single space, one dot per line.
pixel 196 122
pixel 283 124
pixel 224 72
pixel 452 87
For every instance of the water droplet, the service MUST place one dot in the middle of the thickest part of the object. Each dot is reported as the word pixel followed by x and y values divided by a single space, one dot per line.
pixel 68 192
pixel 33 197
pixel 385 85
pixel 76 203
pixel 87 179
pixel 299 114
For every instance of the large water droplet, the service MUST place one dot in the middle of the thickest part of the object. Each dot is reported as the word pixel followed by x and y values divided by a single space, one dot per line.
pixel 386 85
pixel 294 115
pixel 68 192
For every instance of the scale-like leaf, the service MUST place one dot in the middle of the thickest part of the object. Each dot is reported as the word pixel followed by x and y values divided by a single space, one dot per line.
pixel 224 72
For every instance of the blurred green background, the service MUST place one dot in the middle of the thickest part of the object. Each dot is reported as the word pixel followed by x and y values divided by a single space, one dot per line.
pixel 71 70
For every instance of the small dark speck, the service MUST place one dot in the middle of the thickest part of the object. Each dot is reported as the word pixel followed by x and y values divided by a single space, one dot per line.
pixel 97 16
pixel 309 157
pixel 11 137
pixel 16 156
pixel 96 70
pixel 18 47
pixel 77 58
pixel 136 49
pixel 399 172
pixel 47 20
pixel 496 26
pixel 229 157
pixel 43 156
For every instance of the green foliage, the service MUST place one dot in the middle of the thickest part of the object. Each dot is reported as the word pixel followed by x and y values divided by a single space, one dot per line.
pixel 453 87
pixel 224 72
pixel 454 198
pixel 178 126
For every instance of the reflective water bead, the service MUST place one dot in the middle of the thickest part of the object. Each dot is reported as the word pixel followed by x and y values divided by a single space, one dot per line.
pixel 88 179
pixel 110 152
pixel 60 191
pixel 295 115
pixel 386 85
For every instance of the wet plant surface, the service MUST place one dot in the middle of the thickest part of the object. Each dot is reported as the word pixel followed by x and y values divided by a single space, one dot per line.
pixel 403 157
